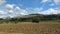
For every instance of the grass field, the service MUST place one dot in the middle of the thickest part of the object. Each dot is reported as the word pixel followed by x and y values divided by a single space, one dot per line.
pixel 30 28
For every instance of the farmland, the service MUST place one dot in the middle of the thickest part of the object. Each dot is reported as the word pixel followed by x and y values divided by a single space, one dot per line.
pixel 30 28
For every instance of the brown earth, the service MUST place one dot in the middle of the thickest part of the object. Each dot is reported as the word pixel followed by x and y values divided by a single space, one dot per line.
pixel 31 28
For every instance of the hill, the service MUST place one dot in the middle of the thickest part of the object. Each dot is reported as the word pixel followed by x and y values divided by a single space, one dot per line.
pixel 32 18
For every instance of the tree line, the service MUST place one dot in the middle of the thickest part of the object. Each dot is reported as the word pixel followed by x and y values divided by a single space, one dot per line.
pixel 35 19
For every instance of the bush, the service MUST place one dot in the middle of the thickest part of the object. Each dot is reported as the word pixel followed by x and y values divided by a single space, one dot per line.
pixel 36 19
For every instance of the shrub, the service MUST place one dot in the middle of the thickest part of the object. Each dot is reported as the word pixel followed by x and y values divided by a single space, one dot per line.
pixel 36 19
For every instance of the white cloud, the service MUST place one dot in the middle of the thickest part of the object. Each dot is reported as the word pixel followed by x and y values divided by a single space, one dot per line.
pixel 50 11
pixel 34 10
pixel 57 2
pixel 10 16
pixel 10 11
pixel 43 1
pixel 37 10
pixel 1 16
pixel 23 12
pixel 20 11
pixel 2 1
pixel 17 8
pixel 29 10
pixel 10 6
pixel 2 12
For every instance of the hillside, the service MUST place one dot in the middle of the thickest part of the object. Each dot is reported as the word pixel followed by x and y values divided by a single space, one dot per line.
pixel 32 18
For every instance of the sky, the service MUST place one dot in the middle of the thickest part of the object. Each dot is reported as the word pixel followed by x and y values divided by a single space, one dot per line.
pixel 12 8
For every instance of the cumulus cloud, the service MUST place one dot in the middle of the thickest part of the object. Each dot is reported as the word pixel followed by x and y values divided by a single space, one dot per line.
pixel 9 6
pixel 57 2
pixel 2 12
pixel 2 1
pixel 37 9
pixel 10 16
pixel 10 11
pixel 17 9
pixel 1 16
pixel 46 12
pixel 43 1
pixel 20 11
pixel 29 10
pixel 50 11
pixel 34 10
pixel 23 12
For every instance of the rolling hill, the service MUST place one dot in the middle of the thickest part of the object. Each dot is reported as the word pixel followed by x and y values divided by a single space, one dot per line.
pixel 31 18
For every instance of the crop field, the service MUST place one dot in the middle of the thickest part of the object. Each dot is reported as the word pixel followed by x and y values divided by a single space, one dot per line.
pixel 30 28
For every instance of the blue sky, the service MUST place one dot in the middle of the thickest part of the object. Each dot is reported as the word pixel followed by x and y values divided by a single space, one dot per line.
pixel 31 3
pixel 25 7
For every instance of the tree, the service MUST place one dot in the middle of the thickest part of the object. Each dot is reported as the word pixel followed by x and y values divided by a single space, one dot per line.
pixel 36 19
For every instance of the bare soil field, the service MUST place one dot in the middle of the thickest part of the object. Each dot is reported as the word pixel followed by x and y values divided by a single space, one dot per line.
pixel 30 28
